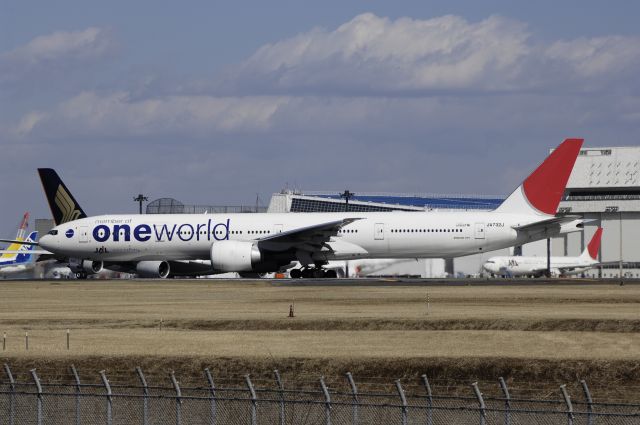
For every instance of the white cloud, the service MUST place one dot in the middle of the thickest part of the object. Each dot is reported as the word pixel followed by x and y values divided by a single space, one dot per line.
pixel 371 76
pixel 374 55
pixel 27 123
pixel 116 114
pixel 60 49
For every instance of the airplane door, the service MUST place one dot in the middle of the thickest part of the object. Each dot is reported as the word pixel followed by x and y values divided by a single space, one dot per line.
pixel 277 228
pixel 84 234
pixel 479 231
pixel 378 231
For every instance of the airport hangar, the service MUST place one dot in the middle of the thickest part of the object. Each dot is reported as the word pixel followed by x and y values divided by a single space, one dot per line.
pixel 604 188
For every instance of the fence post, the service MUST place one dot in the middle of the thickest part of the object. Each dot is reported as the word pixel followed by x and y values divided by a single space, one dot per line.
pixel 107 388
pixel 254 400
pixel 507 401
pixel 12 395
pixel 145 396
pixel 76 377
pixel 403 399
pixel 327 401
pixel 481 404
pixel 36 380
pixel 427 387
pixel 567 400
pixel 281 391
pixel 176 387
pixel 354 393
pixel 587 396
pixel 212 390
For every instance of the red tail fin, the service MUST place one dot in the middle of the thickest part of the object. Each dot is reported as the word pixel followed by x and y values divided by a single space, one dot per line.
pixel 25 221
pixel 542 191
pixel 594 244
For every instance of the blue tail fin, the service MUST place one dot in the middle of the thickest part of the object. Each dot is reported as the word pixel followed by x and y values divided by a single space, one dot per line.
pixel 24 255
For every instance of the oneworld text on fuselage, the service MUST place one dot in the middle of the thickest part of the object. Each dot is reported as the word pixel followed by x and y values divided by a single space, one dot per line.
pixel 185 232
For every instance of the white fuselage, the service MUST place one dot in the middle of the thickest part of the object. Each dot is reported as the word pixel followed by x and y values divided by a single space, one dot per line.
pixel 374 235
pixel 525 266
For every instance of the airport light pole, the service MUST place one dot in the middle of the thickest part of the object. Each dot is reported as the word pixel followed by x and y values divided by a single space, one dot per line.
pixel 140 199
pixel 347 195
pixel 548 257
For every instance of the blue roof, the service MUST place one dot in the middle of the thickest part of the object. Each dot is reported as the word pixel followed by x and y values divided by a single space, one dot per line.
pixel 429 201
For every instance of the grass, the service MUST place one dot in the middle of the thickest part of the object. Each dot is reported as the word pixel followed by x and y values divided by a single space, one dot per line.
pixel 543 334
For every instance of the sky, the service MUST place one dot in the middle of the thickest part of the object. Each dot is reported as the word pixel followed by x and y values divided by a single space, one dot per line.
pixel 214 102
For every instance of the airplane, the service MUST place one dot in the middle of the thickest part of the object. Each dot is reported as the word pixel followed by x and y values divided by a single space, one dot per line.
pixel 19 257
pixel 537 266
pixel 12 258
pixel 167 245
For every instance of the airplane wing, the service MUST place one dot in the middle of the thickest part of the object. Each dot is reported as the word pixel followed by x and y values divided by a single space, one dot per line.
pixel 12 241
pixel 311 238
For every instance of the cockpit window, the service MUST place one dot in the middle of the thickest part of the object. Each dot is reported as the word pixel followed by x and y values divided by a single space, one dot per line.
pixel 53 232
pixel 490 261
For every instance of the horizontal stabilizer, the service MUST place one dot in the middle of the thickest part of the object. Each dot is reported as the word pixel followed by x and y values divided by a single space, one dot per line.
pixel 551 227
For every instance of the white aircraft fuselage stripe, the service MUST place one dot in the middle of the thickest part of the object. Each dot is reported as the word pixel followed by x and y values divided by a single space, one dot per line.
pixel 405 235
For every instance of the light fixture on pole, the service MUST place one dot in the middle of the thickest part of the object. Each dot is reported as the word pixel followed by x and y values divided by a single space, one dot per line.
pixel 140 199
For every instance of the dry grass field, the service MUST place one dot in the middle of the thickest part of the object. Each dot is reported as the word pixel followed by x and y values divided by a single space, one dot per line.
pixel 542 335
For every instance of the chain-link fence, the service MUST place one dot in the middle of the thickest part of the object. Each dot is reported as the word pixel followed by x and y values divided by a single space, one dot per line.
pixel 38 402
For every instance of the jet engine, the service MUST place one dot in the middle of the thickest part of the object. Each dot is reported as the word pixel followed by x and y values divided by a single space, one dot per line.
pixel 92 267
pixel 153 269
pixel 235 256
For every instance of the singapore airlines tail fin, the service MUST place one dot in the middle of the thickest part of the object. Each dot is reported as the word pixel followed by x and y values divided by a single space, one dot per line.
pixel 63 205
pixel 12 250
pixel 591 252
pixel 541 192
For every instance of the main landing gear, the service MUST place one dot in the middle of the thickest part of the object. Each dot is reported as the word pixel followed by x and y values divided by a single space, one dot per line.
pixel 81 275
pixel 313 273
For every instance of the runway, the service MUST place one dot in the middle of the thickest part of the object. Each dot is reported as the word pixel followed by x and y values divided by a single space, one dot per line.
pixel 393 281
pixel 379 281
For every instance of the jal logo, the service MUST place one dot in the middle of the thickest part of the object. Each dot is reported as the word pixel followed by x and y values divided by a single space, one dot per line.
pixel 69 233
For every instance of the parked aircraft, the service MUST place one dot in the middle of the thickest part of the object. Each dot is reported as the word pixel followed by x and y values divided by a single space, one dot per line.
pixel 18 257
pixel 537 266
pixel 178 244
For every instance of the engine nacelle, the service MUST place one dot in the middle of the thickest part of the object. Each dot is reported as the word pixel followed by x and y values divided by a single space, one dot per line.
pixel 92 267
pixel 235 256
pixel 153 269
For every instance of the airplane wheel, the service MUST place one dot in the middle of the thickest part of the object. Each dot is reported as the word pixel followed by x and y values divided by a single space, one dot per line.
pixel 81 275
pixel 295 274
pixel 307 273
pixel 331 274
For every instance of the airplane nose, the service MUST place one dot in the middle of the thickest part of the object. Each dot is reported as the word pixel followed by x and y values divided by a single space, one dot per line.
pixel 46 242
